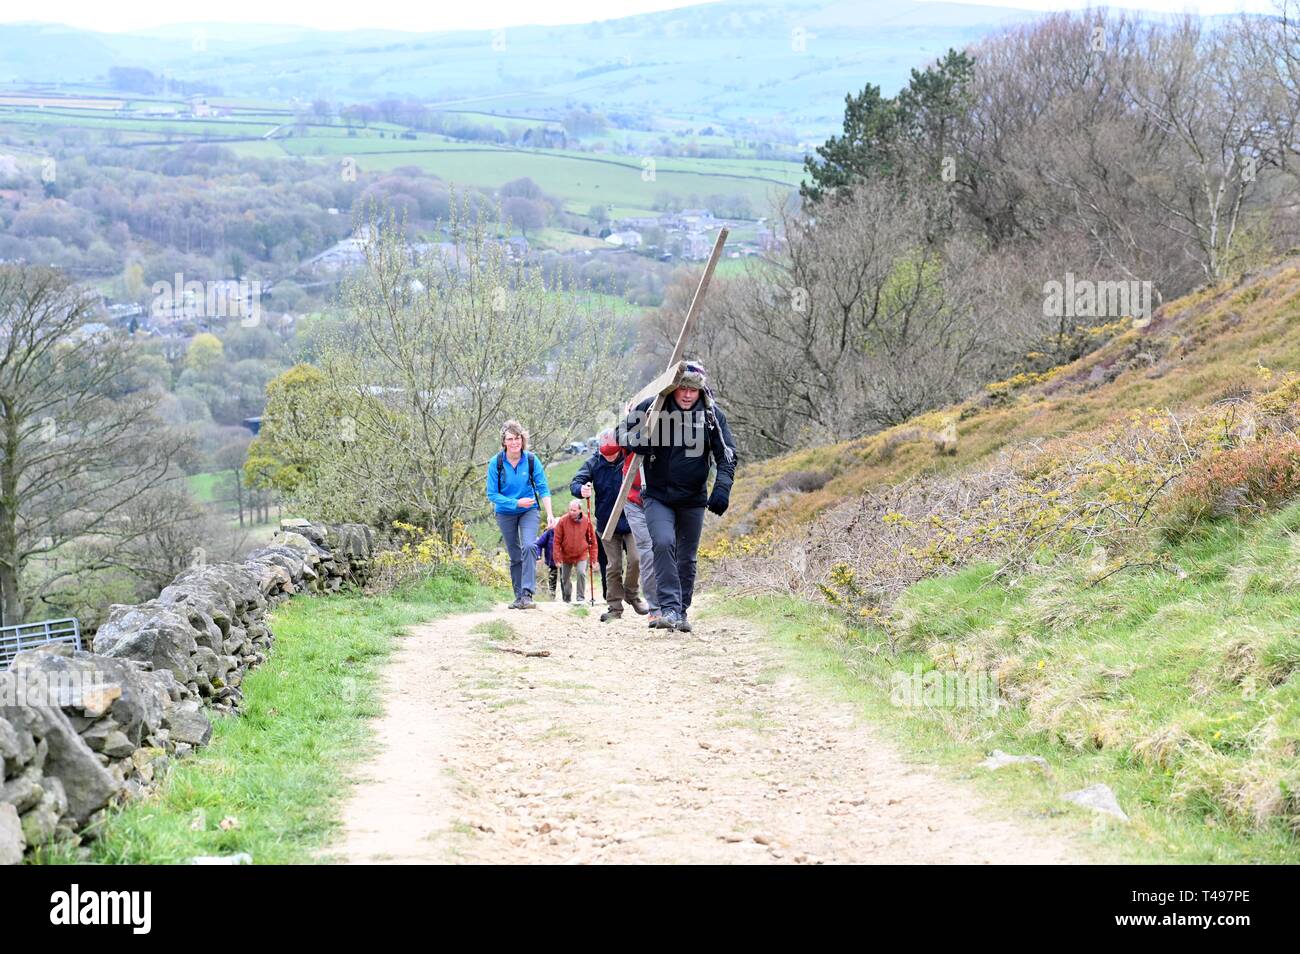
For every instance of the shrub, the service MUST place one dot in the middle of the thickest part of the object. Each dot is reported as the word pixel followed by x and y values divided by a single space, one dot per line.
pixel 1241 482
pixel 419 554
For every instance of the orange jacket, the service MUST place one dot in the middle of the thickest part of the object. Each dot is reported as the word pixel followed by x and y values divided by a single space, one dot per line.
pixel 575 540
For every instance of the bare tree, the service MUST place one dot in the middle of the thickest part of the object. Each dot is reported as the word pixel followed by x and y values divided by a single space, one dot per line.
pixel 79 442
pixel 406 407
pixel 862 321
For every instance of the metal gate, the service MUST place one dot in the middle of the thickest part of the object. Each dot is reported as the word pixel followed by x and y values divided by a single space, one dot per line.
pixel 14 639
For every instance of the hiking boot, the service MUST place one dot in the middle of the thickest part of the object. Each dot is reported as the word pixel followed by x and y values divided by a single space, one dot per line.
pixel 668 620
pixel 515 604
pixel 639 606
pixel 526 601
pixel 606 616
pixel 653 622
pixel 681 625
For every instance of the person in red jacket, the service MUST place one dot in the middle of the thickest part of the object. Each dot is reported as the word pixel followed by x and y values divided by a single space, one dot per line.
pixel 575 547
pixel 634 510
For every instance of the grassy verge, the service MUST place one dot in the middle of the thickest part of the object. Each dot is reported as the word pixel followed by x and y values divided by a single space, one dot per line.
pixel 1179 687
pixel 271 781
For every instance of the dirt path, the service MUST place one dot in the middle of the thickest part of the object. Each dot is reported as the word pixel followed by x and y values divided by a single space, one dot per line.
pixel 623 746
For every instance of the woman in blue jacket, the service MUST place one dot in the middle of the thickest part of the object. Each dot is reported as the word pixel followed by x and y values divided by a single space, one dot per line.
pixel 516 487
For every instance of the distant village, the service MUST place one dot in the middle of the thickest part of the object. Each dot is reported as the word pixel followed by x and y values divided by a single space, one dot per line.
pixel 177 310
pixel 686 236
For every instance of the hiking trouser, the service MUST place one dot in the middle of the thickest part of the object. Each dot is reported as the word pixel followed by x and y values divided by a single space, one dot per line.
pixel 624 570
pixel 519 531
pixel 566 587
pixel 676 537
pixel 645 553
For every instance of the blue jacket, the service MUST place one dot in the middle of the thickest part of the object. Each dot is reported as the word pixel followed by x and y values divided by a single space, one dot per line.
pixel 506 483
pixel 607 478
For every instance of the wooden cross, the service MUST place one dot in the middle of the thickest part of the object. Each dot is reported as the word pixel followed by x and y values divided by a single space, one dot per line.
pixel 665 384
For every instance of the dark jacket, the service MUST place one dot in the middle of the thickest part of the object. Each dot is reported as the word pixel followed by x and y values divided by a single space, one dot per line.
pixel 607 478
pixel 545 546
pixel 677 465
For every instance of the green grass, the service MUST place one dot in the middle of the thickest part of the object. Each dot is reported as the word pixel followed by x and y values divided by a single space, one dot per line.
pixel 211 487
pixel 279 768
pixel 496 630
pixel 1179 688
pixel 581 179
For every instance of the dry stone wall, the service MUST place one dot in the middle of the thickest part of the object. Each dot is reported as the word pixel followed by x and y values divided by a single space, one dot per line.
pixel 82 730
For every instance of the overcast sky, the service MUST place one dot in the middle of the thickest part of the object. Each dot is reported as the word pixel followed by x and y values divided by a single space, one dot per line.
pixel 403 15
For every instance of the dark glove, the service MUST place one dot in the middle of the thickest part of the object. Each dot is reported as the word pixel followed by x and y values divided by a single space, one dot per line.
pixel 719 500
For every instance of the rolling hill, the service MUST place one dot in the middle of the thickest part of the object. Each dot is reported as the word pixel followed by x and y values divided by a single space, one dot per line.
pixel 760 62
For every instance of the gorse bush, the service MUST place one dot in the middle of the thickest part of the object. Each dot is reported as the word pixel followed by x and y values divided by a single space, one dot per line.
pixel 1114 491
pixel 419 555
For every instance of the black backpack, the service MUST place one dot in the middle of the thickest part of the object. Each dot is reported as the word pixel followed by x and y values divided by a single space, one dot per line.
pixel 501 472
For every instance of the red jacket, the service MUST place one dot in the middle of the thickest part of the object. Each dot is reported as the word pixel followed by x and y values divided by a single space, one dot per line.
pixel 634 494
pixel 575 540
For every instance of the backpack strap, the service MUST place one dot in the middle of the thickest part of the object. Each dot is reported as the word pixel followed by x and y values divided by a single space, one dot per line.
pixel 532 482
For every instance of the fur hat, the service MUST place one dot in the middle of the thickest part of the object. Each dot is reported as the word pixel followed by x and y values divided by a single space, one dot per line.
pixel 694 377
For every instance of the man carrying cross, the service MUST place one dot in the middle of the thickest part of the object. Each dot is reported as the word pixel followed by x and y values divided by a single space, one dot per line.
pixel 678 445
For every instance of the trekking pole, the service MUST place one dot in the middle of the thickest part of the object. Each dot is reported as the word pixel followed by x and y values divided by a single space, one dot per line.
pixel 591 576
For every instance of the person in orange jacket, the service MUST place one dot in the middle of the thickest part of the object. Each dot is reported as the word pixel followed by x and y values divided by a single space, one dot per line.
pixel 575 547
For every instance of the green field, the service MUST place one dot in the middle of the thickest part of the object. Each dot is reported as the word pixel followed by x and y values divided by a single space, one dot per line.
pixel 628 184
pixel 211 487
pixel 580 180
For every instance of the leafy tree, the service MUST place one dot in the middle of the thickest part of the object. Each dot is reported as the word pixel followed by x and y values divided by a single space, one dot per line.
pixel 205 353
pixel 404 410
pixel 906 136
pixel 864 151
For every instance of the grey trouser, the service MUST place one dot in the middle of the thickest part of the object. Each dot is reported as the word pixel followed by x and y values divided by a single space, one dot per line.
pixel 519 531
pixel 676 536
pixel 566 573
pixel 645 550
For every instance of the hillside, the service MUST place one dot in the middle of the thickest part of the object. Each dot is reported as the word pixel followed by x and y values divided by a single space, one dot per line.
pixel 1196 350
pixel 1113 545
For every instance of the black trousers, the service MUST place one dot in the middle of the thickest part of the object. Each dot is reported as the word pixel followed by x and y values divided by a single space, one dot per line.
pixel 675 534
pixel 604 565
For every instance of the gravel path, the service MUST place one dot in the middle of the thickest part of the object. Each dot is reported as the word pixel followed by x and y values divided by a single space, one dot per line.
pixel 625 745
